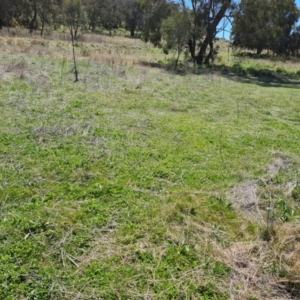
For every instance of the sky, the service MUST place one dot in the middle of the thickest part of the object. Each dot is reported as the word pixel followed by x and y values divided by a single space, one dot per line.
pixel 226 33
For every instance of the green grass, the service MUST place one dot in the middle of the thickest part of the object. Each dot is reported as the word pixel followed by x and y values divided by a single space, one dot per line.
pixel 120 186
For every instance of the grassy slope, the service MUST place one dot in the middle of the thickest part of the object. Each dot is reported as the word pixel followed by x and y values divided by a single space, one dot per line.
pixel 126 185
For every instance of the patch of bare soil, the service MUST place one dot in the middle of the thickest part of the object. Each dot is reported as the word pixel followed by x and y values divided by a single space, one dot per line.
pixel 280 163
pixel 244 196
pixel 247 196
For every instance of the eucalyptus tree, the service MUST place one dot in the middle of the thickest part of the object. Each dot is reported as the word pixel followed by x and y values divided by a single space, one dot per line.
pixel 175 32
pixel 284 18
pixel 93 10
pixel 294 41
pixel 34 13
pixel 155 12
pixel 28 13
pixel 205 17
pixel 14 12
pixel 132 15
pixel 110 15
pixel 250 25
pixel 5 12
pixel 47 10
pixel 264 24
pixel 74 15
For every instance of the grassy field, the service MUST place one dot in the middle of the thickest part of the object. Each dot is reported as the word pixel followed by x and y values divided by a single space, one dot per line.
pixel 139 182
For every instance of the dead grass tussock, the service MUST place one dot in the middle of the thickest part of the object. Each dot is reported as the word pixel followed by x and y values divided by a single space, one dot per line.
pixel 246 274
pixel 244 196
pixel 18 68
pixel 101 249
pixel 252 275
pixel 265 270
pixel 247 196
pixel 287 248
pixel 281 162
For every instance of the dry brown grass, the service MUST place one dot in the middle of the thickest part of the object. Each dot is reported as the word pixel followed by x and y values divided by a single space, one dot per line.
pixel 259 265
pixel 121 51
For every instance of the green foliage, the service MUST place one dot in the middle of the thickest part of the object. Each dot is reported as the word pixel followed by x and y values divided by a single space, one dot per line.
pixel 75 16
pixel 175 32
pixel 133 15
pixel 110 14
pixel 196 28
pixel 296 193
pixel 286 213
pixel 156 12
pixel 262 24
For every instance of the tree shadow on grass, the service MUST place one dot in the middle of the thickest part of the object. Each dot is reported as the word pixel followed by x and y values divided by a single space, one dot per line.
pixel 251 75
pixel 260 75
pixel 266 81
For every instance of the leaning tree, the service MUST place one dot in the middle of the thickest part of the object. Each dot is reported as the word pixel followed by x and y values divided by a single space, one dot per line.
pixel 205 17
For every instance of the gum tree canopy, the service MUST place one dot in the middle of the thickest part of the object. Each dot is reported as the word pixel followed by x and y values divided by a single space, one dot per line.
pixel 266 24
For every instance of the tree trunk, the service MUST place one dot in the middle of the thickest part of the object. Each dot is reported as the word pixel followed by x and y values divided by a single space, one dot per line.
pixel 210 54
pixel 33 20
pixel 192 47
pixel 211 32
pixel 43 26
pixel 92 27
pixel 132 30
pixel 177 60
pixel 74 57
pixel 201 55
